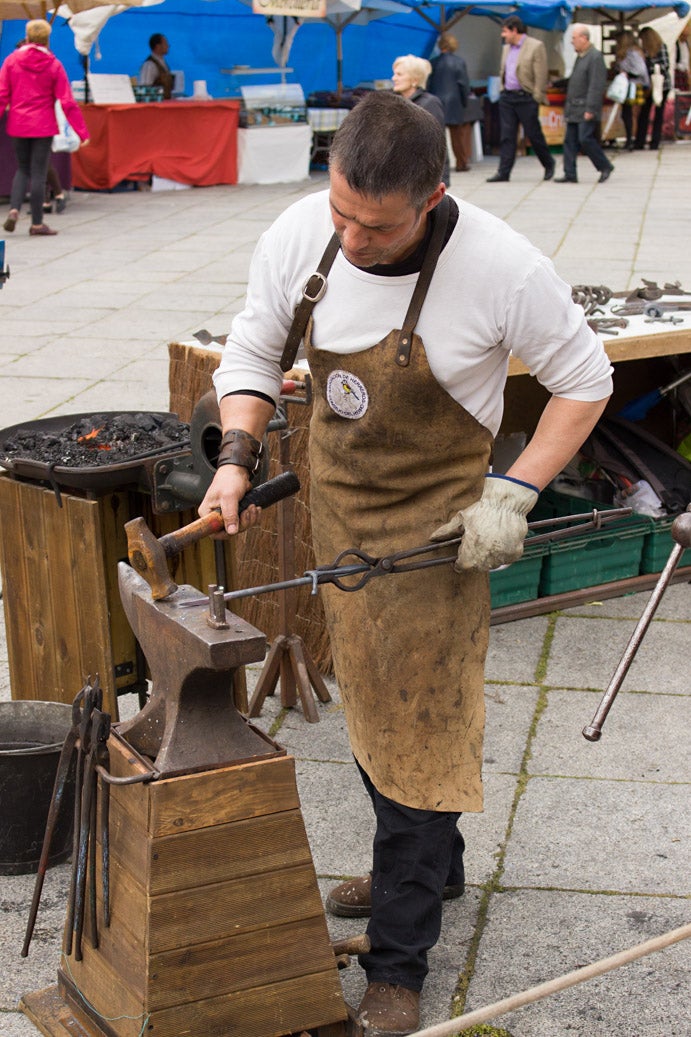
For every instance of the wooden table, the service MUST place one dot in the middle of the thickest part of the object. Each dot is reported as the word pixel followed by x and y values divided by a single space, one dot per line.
pixel 192 142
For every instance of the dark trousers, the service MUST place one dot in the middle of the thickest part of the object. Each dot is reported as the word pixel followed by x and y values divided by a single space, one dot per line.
pixel 416 853
pixel 33 156
pixel 519 108
pixel 582 136
pixel 644 118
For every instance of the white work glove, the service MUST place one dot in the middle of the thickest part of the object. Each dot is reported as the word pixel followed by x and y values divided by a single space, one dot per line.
pixel 494 527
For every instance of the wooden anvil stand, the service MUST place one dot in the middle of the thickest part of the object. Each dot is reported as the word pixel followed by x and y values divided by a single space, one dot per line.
pixel 216 922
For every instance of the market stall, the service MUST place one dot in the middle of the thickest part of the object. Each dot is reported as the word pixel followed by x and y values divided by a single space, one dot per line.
pixel 191 142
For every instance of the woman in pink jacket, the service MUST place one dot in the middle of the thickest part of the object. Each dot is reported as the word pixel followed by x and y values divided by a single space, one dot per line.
pixel 31 81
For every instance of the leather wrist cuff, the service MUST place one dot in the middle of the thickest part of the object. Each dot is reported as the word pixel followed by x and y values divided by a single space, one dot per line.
pixel 240 448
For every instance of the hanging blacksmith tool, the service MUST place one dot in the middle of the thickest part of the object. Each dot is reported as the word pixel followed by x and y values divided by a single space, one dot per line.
pixel 352 562
pixel 65 769
pixel 85 865
pixel 149 555
pixel 93 699
pixel 681 533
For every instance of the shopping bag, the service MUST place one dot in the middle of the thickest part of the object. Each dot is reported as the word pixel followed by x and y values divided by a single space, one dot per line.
pixel 657 82
pixel 65 139
pixel 618 89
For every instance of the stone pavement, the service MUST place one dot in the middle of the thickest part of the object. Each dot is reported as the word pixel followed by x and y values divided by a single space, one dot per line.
pixel 582 850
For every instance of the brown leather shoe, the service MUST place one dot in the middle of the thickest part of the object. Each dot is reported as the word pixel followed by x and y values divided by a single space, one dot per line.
pixel 43 230
pixel 389 1011
pixel 353 899
pixel 11 221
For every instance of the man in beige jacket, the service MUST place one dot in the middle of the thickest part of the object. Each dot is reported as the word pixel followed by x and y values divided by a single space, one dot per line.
pixel 523 82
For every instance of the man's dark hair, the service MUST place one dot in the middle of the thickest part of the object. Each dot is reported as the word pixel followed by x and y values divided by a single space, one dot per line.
pixel 514 22
pixel 388 145
pixel 155 40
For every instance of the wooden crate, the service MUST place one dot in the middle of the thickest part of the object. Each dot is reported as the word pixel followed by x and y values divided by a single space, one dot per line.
pixel 217 926
pixel 63 614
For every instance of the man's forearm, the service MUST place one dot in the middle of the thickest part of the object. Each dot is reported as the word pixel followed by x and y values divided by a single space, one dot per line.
pixel 563 427
pixel 249 413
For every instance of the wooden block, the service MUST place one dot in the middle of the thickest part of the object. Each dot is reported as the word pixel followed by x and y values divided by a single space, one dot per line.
pixel 217 925
pixel 229 794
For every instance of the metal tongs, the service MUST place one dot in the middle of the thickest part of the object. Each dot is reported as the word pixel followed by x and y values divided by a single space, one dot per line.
pixel 353 562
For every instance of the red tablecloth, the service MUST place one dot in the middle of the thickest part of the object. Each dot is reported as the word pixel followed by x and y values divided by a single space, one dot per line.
pixel 193 142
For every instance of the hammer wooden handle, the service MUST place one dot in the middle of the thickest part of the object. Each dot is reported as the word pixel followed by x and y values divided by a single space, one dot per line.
pixel 264 495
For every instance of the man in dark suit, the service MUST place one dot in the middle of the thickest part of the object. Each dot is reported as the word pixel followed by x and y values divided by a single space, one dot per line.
pixel 523 81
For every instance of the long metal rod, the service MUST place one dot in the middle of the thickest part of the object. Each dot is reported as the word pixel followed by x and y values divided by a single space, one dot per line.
pixel 315 577
pixel 553 986
pixel 681 531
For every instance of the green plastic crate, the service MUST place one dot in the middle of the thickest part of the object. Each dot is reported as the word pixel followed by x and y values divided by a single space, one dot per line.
pixel 519 581
pixel 554 504
pixel 658 546
pixel 599 556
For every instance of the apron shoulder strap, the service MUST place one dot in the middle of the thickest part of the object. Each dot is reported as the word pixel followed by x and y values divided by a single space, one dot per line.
pixel 405 339
pixel 312 292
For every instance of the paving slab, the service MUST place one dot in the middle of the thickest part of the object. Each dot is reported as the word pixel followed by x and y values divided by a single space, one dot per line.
pixel 647 998
pixel 588 834
pixel 657 667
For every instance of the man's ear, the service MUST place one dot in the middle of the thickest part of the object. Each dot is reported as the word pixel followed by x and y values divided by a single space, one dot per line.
pixel 434 199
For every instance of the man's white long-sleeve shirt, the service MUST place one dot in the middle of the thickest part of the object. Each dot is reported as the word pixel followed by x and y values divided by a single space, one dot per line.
pixel 492 294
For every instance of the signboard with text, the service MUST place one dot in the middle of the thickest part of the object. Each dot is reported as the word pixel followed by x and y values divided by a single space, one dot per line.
pixel 296 8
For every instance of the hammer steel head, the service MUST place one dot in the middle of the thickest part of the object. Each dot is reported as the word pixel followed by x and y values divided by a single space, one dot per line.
pixel 148 557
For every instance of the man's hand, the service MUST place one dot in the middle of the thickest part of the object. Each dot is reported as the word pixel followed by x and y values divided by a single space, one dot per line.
pixel 493 528
pixel 229 486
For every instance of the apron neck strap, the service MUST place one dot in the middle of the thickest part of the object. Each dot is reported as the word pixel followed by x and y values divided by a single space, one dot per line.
pixel 312 291
pixel 405 339
pixel 315 286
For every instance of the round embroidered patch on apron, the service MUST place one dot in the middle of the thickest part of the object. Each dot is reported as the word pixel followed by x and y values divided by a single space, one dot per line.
pixel 346 394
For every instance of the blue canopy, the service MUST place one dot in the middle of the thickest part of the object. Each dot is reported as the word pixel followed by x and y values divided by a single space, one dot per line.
pixel 629 11
pixel 540 14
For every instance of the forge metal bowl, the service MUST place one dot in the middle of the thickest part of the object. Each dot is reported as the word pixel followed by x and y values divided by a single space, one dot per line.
pixel 135 470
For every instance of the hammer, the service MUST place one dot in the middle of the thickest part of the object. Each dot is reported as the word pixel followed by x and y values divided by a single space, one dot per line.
pixel 148 555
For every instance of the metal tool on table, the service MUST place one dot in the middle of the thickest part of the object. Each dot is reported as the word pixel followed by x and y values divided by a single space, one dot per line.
pixel 342 573
pixel 681 533
pixel 148 555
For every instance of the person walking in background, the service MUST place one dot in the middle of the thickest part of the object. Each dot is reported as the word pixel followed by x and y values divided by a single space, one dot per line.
pixel 629 58
pixel 154 70
pixel 450 83
pixel 410 75
pixel 523 85
pixel 657 62
pixel 583 108
pixel 31 81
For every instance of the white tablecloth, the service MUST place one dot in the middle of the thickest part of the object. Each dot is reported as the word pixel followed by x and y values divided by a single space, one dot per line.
pixel 274 154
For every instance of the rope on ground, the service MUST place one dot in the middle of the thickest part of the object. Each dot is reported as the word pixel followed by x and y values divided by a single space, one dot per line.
pixel 553 986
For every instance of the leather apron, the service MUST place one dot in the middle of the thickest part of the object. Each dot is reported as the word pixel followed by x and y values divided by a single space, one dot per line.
pixel 409 649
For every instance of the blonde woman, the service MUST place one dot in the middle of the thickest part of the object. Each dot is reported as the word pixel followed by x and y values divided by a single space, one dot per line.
pixel 31 81
pixel 410 75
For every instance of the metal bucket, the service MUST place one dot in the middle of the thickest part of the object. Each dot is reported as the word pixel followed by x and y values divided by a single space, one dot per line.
pixel 31 737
